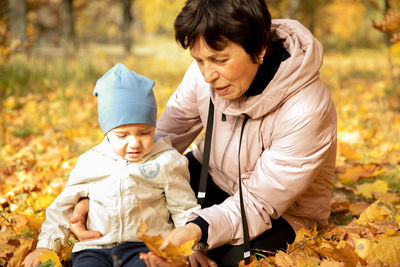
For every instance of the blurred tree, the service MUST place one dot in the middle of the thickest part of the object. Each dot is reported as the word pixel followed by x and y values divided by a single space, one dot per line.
pixel 69 40
pixel 339 23
pixel 293 6
pixel 3 27
pixel 127 19
pixel 17 20
pixel 158 16
pixel 390 26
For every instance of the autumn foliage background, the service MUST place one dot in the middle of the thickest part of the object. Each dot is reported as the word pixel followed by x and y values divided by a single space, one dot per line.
pixel 49 117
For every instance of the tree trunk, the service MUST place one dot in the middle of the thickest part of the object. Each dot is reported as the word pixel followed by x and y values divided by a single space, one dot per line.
pixel 385 11
pixel 293 6
pixel 68 27
pixel 126 24
pixel 18 23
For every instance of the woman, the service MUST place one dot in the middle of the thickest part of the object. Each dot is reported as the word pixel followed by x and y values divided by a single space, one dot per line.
pixel 266 74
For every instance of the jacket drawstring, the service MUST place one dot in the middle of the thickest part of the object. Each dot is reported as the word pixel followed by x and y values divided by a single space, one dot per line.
pixel 246 237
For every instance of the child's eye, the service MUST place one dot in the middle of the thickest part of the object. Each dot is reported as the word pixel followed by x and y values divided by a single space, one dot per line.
pixel 121 135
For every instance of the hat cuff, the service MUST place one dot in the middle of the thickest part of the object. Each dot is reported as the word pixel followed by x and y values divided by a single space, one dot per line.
pixel 127 114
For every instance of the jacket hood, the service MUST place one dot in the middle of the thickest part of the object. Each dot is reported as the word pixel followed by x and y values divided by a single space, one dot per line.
pixel 296 72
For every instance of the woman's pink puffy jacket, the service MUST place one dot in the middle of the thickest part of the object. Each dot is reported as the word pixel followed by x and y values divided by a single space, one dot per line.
pixel 288 149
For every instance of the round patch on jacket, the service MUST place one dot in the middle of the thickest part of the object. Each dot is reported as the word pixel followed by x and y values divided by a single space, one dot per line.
pixel 149 170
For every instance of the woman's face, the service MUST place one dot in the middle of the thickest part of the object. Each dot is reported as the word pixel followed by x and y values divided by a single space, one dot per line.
pixel 229 71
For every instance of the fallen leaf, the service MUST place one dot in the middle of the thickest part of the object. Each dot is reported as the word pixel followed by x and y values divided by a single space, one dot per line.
pixel 50 256
pixel 373 213
pixel 367 189
pixel 339 203
pixel 358 207
pixel 21 252
pixel 386 250
pixel 353 174
pixel 171 252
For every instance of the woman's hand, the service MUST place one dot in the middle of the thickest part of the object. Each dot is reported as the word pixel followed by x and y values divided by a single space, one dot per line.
pixel 32 260
pixel 182 234
pixel 200 259
pixel 78 222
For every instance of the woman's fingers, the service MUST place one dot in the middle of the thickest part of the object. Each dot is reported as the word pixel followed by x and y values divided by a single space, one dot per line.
pixel 81 209
pixel 78 222
pixel 82 233
pixel 198 259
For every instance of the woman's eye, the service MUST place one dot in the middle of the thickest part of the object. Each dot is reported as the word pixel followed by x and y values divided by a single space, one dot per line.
pixel 121 135
pixel 220 60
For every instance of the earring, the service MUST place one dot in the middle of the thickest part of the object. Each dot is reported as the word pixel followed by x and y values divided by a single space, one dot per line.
pixel 261 60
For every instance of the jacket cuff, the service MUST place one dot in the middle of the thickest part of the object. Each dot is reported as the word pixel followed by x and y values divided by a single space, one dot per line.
pixel 50 244
pixel 203 226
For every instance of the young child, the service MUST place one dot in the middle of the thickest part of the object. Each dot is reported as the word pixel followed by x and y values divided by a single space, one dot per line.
pixel 126 167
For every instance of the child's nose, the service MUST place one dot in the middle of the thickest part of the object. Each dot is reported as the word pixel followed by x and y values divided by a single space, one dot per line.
pixel 133 141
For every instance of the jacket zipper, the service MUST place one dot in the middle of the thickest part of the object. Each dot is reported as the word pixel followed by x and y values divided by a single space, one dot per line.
pixel 228 144
pixel 121 209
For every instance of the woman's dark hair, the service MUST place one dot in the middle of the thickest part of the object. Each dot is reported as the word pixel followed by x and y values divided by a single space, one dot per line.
pixel 246 22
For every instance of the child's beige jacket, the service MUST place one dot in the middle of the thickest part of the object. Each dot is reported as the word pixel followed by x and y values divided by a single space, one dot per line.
pixel 116 189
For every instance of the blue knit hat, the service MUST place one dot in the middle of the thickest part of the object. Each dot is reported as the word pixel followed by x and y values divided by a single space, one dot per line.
pixel 124 97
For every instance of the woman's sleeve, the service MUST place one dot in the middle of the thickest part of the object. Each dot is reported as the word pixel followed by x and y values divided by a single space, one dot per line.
pixel 180 119
pixel 180 197
pixel 301 145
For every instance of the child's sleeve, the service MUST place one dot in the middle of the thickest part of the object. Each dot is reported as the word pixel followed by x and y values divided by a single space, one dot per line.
pixel 181 200
pixel 55 229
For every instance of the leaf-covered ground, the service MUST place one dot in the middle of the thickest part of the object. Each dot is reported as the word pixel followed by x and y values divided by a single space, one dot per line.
pixel 48 117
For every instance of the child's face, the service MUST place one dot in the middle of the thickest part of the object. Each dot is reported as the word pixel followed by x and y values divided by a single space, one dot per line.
pixel 132 141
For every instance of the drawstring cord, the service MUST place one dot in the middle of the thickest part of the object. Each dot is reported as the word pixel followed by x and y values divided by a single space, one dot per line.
pixel 246 236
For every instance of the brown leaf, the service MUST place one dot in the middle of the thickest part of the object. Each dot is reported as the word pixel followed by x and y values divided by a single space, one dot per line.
pixel 357 208
pixel 20 253
pixel 339 203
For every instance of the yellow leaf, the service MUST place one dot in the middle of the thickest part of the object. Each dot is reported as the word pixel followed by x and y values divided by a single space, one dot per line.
pixel 171 252
pixel 340 252
pixel 50 256
pixel 387 198
pixel 373 213
pixel 304 234
pixel 354 173
pixel 285 260
pixel 379 186
pixel 34 221
pixel 387 250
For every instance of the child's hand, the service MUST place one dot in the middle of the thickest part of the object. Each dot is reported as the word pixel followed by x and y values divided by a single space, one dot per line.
pixel 32 260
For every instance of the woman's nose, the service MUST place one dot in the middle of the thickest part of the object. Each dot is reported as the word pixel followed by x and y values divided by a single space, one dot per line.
pixel 210 74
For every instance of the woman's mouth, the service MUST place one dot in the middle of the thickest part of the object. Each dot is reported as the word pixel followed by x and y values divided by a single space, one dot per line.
pixel 221 90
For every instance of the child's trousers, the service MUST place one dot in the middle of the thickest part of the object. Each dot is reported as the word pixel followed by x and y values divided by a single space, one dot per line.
pixel 125 255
